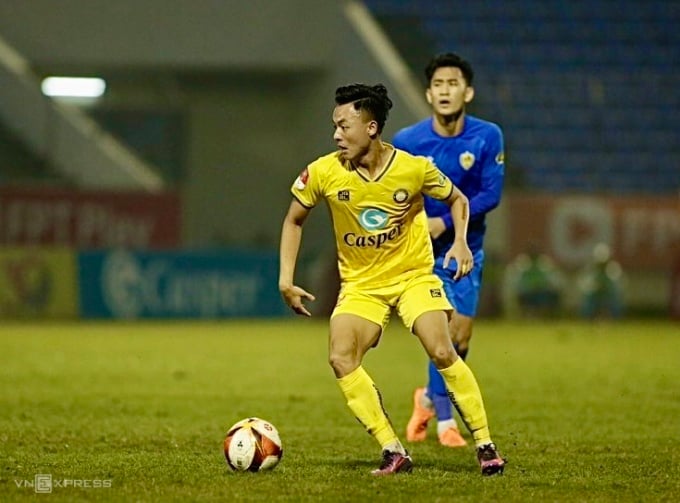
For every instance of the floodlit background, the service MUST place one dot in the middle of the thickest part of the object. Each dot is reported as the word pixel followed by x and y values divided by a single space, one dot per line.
pixel 184 124
pixel 140 211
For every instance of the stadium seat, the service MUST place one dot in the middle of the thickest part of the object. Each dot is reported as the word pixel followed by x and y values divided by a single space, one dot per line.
pixel 582 90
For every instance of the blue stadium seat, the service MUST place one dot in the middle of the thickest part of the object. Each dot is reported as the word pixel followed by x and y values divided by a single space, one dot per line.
pixel 586 94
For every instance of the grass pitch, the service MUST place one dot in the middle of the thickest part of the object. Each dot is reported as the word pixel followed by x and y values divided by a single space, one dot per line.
pixel 583 412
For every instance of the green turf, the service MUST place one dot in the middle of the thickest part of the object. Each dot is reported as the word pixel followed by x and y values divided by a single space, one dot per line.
pixel 584 412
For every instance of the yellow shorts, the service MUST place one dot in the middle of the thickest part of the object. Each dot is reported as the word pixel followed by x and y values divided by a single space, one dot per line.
pixel 410 298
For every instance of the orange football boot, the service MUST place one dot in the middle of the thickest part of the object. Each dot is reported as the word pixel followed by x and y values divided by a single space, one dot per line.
pixel 451 437
pixel 416 429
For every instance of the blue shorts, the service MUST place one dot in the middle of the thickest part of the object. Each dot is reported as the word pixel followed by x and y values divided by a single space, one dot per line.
pixel 464 293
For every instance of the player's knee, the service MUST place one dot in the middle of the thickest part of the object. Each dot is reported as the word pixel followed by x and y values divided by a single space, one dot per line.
pixel 342 364
pixel 443 356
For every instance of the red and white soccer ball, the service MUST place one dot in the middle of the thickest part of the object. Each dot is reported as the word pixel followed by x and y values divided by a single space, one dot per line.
pixel 253 445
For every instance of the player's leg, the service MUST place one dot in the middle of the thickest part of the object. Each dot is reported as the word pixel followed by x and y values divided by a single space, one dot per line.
pixel 462 386
pixel 431 328
pixel 421 309
pixel 448 430
pixel 432 401
pixel 461 330
pixel 464 296
pixel 351 336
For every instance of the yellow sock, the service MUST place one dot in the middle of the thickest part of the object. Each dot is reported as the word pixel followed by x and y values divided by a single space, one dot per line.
pixel 466 397
pixel 365 402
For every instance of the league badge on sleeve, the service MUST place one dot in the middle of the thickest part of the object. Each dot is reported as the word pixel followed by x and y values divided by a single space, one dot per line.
pixel 301 181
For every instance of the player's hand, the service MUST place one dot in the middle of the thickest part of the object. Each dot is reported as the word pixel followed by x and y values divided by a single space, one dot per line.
pixel 460 252
pixel 293 296
pixel 436 226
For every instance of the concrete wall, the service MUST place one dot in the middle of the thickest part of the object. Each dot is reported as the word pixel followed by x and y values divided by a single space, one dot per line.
pixel 254 80
pixel 191 34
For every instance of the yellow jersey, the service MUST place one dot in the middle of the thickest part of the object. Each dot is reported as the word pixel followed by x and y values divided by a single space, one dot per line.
pixel 380 225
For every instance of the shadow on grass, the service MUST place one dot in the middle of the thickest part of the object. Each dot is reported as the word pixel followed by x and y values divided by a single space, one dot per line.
pixel 443 465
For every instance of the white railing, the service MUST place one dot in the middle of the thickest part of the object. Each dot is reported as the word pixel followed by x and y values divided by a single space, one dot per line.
pixel 386 55
pixel 74 144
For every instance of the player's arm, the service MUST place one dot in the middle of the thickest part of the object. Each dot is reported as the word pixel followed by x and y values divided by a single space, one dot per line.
pixel 493 174
pixel 488 195
pixel 438 186
pixel 459 251
pixel 291 237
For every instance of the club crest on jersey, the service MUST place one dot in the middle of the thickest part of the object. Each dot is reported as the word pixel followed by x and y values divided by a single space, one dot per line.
pixel 466 160
pixel 435 293
pixel 400 196
pixel 343 195
pixel 373 219
pixel 301 181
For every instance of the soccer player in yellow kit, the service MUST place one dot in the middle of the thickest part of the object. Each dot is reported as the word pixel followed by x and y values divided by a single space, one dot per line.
pixel 375 196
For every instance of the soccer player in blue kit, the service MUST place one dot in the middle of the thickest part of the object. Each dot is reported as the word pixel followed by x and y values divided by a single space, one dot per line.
pixel 470 152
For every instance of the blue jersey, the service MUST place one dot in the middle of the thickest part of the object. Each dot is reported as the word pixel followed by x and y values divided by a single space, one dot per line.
pixel 473 160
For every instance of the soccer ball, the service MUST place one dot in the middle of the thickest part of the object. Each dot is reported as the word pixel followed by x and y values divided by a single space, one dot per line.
pixel 253 445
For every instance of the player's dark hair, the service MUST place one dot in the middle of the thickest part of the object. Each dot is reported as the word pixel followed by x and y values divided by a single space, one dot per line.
pixel 449 59
pixel 372 99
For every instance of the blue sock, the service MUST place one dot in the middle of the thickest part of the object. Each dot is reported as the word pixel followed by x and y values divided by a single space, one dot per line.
pixel 437 393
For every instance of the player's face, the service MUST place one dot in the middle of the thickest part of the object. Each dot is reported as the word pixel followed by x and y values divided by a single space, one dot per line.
pixel 448 92
pixel 352 131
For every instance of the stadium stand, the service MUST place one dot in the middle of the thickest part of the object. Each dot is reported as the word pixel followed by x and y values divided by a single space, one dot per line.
pixel 586 90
